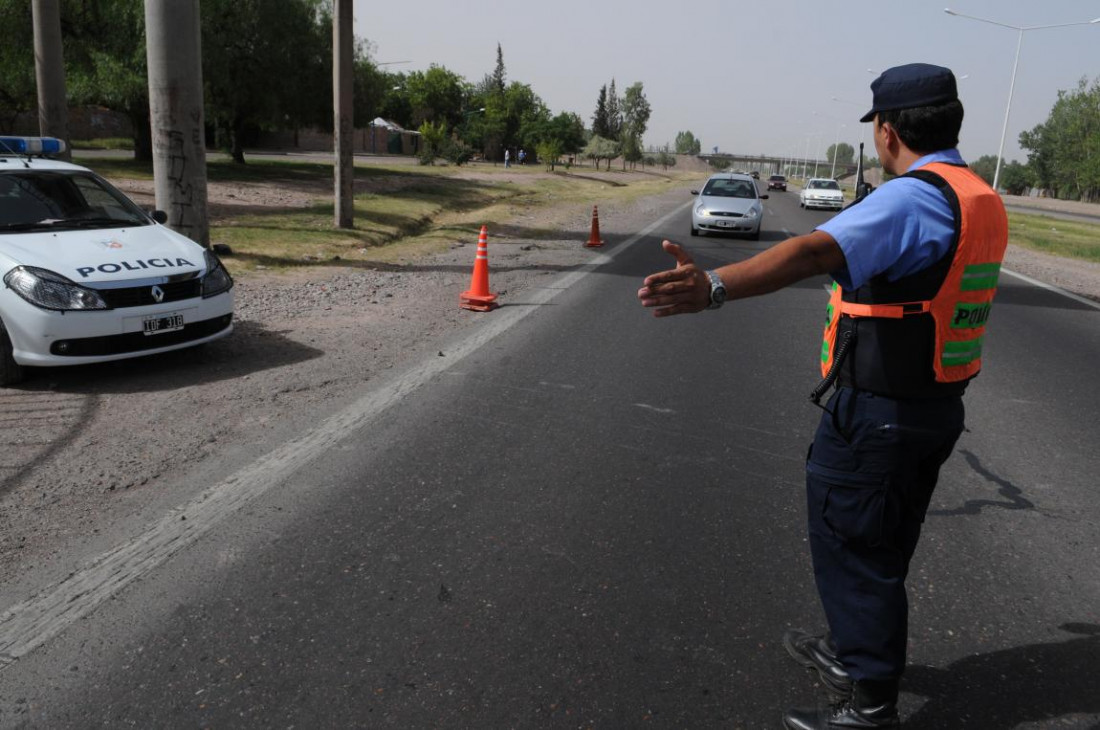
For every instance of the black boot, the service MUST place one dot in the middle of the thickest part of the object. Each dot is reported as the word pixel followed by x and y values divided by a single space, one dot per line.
pixel 819 654
pixel 872 704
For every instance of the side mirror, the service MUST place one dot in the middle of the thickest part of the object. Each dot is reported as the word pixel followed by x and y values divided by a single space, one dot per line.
pixel 694 192
pixel 764 196
pixel 159 216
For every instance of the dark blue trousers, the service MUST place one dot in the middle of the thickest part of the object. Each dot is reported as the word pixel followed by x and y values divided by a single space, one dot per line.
pixel 869 478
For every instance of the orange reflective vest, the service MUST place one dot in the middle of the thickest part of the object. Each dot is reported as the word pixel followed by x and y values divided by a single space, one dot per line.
pixel 922 335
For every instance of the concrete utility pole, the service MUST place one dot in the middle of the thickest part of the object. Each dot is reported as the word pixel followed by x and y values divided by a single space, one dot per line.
pixel 174 55
pixel 342 54
pixel 49 72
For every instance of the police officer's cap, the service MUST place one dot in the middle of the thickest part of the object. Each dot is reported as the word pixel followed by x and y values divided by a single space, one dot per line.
pixel 911 85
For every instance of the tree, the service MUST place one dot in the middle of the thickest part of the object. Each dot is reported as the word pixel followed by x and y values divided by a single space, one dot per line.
pixel 600 125
pixel 985 167
pixel 105 62
pixel 436 95
pixel 601 148
pixel 686 144
pixel 1016 178
pixel 614 114
pixel 1064 151
pixel 498 73
pixel 262 61
pixel 18 92
pixel 432 139
pixel 845 153
pixel 636 111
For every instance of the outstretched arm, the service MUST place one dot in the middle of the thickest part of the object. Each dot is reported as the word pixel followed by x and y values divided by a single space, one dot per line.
pixel 685 289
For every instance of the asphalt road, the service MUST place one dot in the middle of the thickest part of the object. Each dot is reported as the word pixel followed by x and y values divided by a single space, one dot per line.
pixel 595 519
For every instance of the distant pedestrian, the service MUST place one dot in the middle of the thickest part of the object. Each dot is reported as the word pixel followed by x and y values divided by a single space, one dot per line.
pixel 522 157
pixel 507 158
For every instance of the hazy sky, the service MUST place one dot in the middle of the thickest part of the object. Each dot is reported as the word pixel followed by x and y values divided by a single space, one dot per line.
pixel 748 77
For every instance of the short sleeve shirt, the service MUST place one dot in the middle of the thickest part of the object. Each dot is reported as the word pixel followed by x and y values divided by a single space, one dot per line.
pixel 904 226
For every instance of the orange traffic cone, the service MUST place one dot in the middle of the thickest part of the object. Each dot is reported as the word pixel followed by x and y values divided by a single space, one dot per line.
pixel 478 297
pixel 594 238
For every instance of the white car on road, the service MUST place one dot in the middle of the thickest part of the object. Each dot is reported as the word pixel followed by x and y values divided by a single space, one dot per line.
pixel 821 192
pixel 88 276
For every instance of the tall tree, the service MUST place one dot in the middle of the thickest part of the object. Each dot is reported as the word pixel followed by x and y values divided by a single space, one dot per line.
pixel 499 76
pixel 636 111
pixel 600 125
pixel 614 113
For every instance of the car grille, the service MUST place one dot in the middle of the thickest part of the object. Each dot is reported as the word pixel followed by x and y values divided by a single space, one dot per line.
pixel 140 296
pixel 138 341
pixel 726 214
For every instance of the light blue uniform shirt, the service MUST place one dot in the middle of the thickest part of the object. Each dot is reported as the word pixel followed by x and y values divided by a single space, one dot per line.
pixel 902 227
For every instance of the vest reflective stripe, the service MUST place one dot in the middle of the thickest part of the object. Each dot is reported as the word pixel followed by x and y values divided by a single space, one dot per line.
pixel 961 307
pixel 961 352
pixel 980 276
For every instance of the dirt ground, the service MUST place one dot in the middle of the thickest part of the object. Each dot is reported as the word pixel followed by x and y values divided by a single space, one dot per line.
pixel 94 453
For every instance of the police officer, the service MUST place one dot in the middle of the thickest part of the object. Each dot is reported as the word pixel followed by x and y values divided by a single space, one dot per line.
pixel 915 268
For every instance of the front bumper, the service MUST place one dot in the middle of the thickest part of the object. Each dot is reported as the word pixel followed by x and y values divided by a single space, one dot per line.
pixel 722 224
pixel 43 338
pixel 827 203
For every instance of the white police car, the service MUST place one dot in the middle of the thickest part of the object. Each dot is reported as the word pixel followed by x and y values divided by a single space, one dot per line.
pixel 88 276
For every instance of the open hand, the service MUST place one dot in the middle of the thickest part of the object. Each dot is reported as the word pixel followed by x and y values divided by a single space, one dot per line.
pixel 683 290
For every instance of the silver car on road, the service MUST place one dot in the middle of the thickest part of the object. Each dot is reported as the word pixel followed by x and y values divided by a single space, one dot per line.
pixel 728 203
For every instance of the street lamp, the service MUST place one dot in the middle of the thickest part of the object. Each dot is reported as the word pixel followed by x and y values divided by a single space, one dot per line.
pixel 1012 86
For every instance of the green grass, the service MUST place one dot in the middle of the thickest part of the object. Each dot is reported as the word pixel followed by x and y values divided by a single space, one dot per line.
pixel 107 143
pixel 1070 239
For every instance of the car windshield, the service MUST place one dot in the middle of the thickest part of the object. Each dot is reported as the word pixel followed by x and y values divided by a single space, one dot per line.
pixel 777 177
pixel 726 188
pixel 63 200
pixel 824 184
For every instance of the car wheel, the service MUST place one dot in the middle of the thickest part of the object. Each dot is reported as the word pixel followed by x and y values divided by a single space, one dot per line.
pixel 694 231
pixel 754 236
pixel 11 372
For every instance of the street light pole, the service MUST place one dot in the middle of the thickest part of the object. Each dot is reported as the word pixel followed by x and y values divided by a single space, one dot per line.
pixel 832 171
pixel 1012 85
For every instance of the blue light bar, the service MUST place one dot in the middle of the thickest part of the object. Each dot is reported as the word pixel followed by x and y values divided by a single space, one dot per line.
pixel 32 145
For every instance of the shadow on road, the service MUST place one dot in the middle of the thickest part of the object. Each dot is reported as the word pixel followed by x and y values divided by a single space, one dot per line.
pixel 1004 689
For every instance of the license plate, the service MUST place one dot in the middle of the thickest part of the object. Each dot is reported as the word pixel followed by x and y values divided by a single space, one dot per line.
pixel 726 224
pixel 163 323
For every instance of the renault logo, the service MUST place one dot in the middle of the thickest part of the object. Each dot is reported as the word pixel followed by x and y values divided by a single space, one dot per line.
pixel 158 294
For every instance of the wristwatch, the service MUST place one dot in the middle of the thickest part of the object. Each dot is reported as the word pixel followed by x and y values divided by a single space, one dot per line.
pixel 717 290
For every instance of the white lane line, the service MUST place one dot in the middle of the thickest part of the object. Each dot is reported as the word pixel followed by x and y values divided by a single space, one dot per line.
pixel 36 620
pixel 1051 287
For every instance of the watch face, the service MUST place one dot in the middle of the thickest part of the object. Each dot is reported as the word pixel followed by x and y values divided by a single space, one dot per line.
pixel 717 289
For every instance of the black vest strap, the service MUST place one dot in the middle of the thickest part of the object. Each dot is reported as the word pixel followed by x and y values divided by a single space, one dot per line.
pixel 893 357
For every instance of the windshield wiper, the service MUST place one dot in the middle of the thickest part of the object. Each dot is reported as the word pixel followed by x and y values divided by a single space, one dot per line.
pixel 95 222
pixel 101 222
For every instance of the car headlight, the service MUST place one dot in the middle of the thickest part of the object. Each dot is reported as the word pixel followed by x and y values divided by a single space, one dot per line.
pixel 751 213
pixel 48 290
pixel 217 280
pixel 701 211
